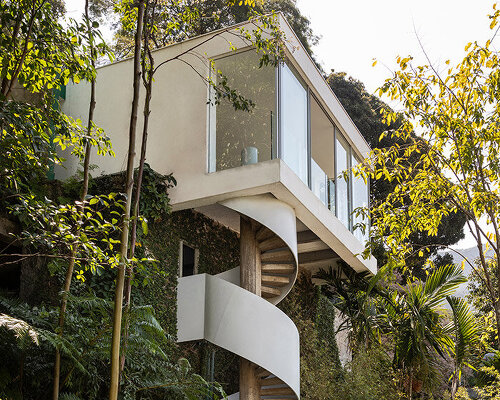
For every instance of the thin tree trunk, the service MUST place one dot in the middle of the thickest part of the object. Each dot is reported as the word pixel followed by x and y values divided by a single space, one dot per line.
pixel 454 384
pixel 12 50
pixel 148 83
pixel 120 277
pixel 85 187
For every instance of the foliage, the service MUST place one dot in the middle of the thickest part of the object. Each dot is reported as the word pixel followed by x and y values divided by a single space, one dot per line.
pixel 416 323
pixel 465 332
pixel 478 297
pixel 355 296
pixel 407 320
pixel 155 202
pixel 58 229
pixel 19 328
pixel 28 144
pixel 477 291
pixel 85 346
pixel 368 376
pixel 37 51
pixel 366 109
pixel 38 57
pixel 491 390
pixel 455 164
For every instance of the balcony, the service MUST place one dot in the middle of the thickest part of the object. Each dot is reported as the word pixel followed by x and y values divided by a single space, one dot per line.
pixel 290 123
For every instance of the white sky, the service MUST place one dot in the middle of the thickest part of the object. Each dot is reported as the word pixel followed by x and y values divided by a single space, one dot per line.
pixel 356 32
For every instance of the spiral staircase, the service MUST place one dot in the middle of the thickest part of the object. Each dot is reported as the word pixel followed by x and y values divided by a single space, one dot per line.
pixel 217 309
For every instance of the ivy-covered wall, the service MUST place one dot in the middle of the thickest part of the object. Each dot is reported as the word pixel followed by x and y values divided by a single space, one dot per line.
pixel 218 252
pixel 218 249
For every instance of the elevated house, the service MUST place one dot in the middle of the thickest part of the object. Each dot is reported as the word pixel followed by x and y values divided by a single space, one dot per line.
pixel 274 175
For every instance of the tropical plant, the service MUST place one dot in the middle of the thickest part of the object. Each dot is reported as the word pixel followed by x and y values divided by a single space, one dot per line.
pixel 356 296
pixel 28 344
pixel 465 332
pixel 416 321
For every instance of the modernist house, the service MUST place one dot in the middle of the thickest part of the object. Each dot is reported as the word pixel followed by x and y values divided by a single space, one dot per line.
pixel 278 176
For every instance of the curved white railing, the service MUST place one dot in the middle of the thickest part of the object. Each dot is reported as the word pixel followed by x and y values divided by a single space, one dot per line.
pixel 231 317
pixel 277 216
pixel 217 309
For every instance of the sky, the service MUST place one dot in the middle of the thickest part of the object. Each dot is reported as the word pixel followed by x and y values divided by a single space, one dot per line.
pixel 354 33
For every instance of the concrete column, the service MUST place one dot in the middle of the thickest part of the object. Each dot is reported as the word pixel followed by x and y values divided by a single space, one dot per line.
pixel 250 271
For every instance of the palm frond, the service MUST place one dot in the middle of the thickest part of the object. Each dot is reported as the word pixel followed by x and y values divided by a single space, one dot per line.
pixel 20 328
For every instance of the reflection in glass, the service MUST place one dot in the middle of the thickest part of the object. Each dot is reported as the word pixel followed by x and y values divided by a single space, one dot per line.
pixel 331 195
pixel 240 137
pixel 293 121
pixel 322 152
pixel 359 199
pixel 319 182
pixel 342 164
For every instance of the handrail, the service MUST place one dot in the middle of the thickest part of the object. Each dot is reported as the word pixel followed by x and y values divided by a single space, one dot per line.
pixel 230 317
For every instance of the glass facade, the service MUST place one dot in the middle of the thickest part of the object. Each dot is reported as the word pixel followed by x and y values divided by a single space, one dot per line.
pixel 342 179
pixel 241 137
pixel 322 154
pixel 307 141
pixel 293 123
pixel 359 200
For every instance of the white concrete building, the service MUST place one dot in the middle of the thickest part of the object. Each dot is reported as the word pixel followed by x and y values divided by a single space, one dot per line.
pixel 275 175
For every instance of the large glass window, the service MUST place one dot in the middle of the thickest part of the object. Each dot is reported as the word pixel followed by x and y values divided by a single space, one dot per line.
pixel 308 137
pixel 322 155
pixel 293 123
pixel 359 200
pixel 241 137
pixel 342 166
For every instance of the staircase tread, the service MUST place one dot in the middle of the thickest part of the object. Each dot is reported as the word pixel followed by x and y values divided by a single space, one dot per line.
pixel 271 382
pixel 267 290
pixel 275 280
pixel 272 243
pixel 277 391
pixel 278 268
pixel 279 256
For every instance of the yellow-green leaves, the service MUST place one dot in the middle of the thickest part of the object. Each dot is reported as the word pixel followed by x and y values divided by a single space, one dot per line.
pixel 446 156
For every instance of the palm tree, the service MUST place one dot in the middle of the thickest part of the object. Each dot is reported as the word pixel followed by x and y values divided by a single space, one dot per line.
pixel 357 297
pixel 465 332
pixel 414 314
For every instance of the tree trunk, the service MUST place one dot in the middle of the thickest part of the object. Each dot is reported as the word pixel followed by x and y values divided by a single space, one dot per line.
pixel 249 280
pixel 120 276
pixel 85 187
pixel 148 84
